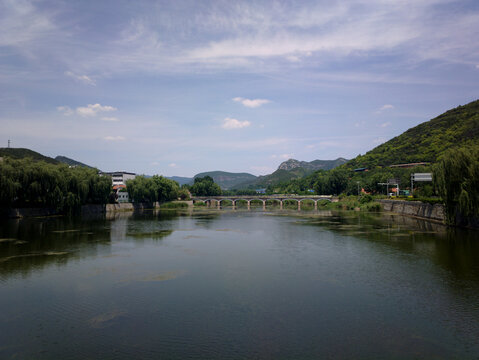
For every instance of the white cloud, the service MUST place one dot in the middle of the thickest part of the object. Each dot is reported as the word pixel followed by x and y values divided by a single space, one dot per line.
pixel 106 118
pixel 93 109
pixel 283 156
pixel 114 138
pixel 230 123
pixel 172 165
pixel 386 124
pixel 251 103
pixel 384 108
pixel 82 78
pixel 66 110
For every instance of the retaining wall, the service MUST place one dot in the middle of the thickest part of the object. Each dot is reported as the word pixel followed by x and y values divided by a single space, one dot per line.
pixel 415 208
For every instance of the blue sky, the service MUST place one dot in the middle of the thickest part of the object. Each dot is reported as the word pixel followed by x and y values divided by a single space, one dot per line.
pixel 181 87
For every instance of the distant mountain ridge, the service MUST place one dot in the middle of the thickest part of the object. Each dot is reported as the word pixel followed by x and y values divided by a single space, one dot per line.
pixel 70 162
pixel 227 180
pixel 312 165
pixel 291 169
pixel 181 179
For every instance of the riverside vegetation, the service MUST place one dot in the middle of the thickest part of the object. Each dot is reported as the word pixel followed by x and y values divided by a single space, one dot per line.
pixel 27 183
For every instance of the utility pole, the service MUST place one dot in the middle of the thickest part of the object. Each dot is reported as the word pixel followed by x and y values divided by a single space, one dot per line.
pixel 9 143
pixel 358 187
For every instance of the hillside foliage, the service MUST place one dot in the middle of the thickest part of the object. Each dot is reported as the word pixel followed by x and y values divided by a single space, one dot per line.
pixel 427 141
pixel 21 153
pixel 28 183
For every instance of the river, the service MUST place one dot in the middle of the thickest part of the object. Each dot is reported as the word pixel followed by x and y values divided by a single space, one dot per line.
pixel 225 284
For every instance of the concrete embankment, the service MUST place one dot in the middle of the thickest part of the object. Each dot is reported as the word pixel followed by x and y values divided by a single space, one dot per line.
pixel 415 208
pixel 111 208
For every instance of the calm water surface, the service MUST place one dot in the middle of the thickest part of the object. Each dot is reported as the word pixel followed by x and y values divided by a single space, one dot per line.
pixel 238 285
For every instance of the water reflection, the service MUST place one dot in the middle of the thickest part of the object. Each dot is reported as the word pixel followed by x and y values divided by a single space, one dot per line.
pixel 28 245
pixel 238 284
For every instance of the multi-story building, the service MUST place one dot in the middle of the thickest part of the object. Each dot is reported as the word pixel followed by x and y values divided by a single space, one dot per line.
pixel 120 177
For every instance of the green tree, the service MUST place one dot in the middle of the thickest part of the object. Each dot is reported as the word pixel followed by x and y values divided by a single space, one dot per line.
pixel 457 180
pixel 167 189
pixel 205 186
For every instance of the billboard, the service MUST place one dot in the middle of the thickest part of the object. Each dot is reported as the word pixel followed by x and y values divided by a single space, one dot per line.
pixel 421 177
pixel 394 181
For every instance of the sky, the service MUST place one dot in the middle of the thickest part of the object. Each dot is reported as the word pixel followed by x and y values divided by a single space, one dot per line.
pixel 181 87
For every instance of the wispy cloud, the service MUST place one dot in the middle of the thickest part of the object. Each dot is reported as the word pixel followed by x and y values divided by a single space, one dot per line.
pixel 114 138
pixel 384 108
pixel 283 156
pixel 385 124
pixel 65 110
pixel 94 109
pixel 21 23
pixel 172 165
pixel 230 124
pixel 110 118
pixel 251 103
pixel 254 36
pixel 81 78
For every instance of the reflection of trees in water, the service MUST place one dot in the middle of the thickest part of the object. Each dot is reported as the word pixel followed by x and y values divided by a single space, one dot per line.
pixel 455 250
pixel 205 218
pixel 31 244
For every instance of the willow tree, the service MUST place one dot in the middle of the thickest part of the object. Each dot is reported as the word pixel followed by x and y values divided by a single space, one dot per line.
pixel 457 180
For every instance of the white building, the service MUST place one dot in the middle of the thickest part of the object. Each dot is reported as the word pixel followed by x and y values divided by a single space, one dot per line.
pixel 123 196
pixel 120 177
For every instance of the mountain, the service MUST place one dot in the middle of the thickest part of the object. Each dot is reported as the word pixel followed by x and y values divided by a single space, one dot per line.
pixel 20 153
pixel 279 176
pixel 181 179
pixel 70 162
pixel 289 170
pixel 427 141
pixel 227 180
pixel 312 165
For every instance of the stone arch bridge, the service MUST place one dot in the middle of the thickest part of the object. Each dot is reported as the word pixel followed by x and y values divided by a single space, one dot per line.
pixel 217 200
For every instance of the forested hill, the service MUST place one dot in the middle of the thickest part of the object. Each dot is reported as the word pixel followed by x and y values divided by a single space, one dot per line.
pixel 70 162
pixel 227 180
pixel 427 141
pixel 21 153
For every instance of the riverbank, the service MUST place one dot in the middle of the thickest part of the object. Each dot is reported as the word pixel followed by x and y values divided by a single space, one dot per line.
pixel 417 209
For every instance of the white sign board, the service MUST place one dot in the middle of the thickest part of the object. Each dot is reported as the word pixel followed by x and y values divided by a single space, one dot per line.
pixel 421 176
pixel 394 181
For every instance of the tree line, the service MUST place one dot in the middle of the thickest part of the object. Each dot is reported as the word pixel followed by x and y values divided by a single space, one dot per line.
pixel 161 189
pixel 27 183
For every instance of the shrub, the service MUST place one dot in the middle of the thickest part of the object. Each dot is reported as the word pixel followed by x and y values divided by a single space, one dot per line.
pixel 365 199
